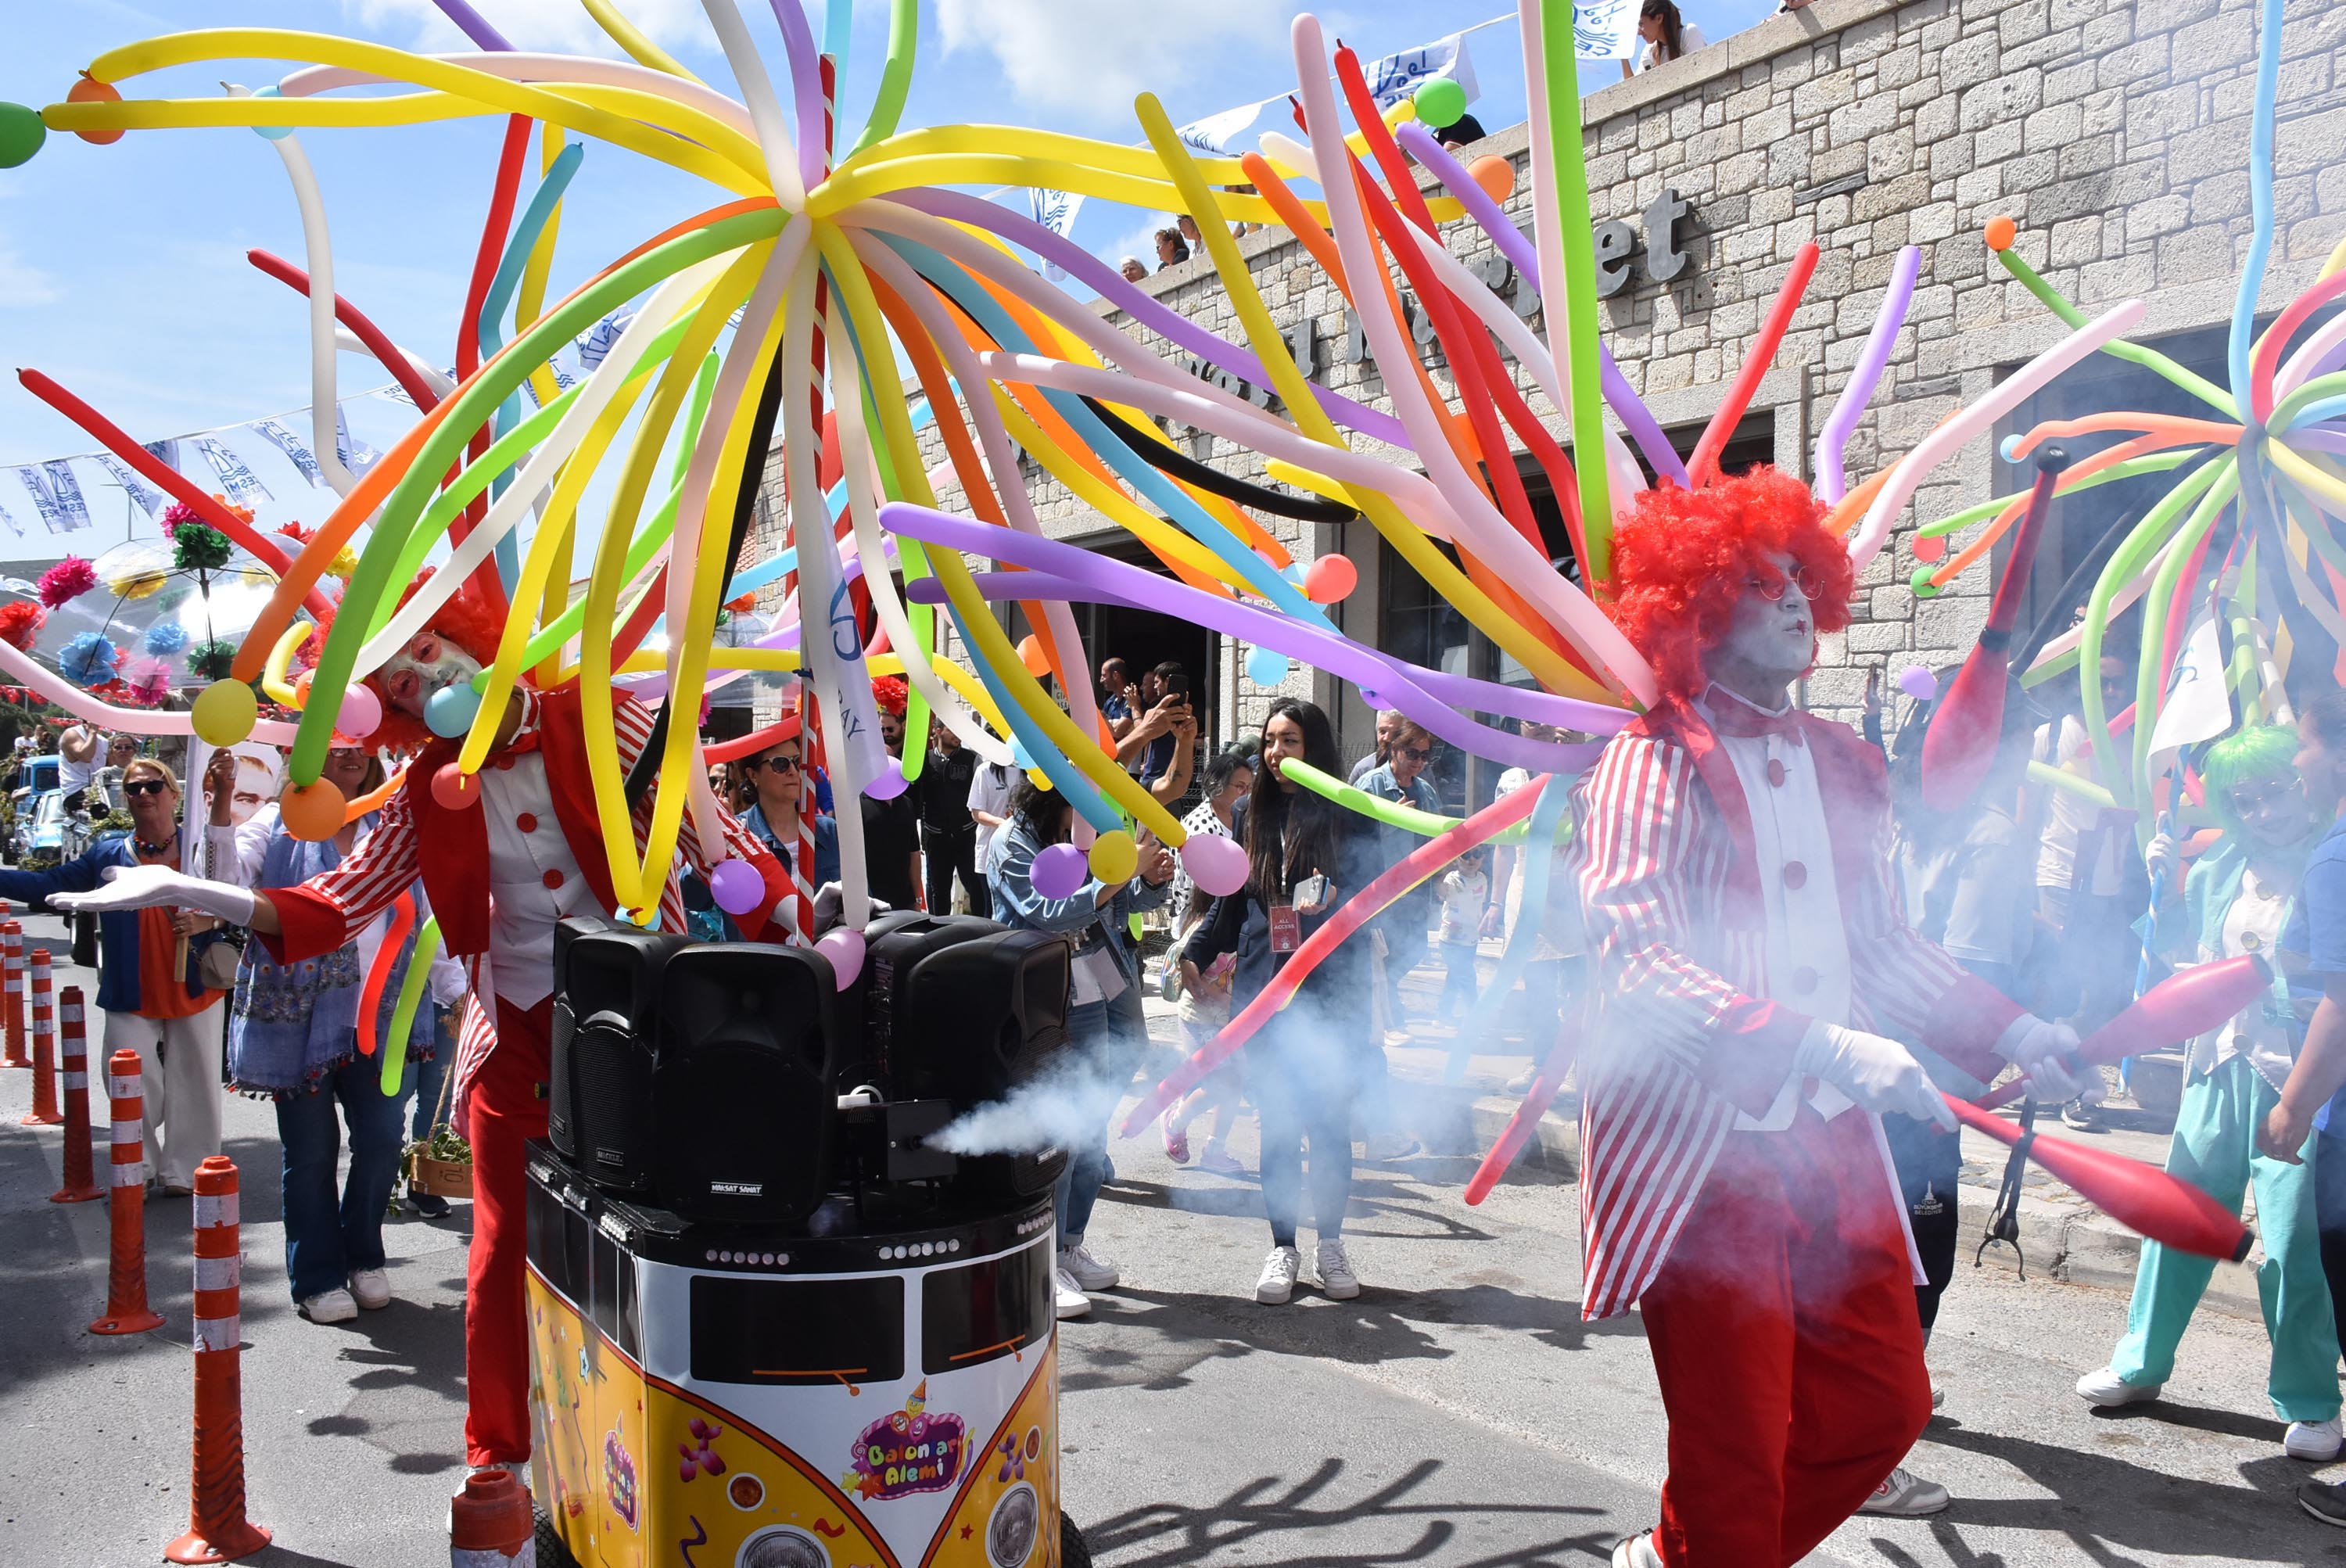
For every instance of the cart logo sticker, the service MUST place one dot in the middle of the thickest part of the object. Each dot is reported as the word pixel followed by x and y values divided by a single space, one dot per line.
pixel 908 1450
pixel 619 1478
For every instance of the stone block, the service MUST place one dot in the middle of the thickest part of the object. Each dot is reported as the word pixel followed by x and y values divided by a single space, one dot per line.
pixel 2003 101
pixel 2049 128
pixel 1949 622
pixel 1950 155
pixel 2220 197
pixel 1934 121
pixel 1997 141
pixel 1936 221
pixel 1900 68
pixel 1767 125
pixel 1877 636
pixel 2227 38
pixel 2076 241
pixel 1981 188
pixel 1869 116
pixel 1820 95
pixel 1968 62
pixel 2144 60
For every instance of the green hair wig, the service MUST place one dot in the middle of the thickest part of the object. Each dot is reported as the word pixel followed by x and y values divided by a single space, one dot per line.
pixel 2256 751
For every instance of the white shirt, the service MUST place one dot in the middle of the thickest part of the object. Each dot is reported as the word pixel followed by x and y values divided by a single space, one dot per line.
pixel 1690 38
pixel 72 775
pixel 2069 816
pixel 535 881
pixel 2253 925
pixel 1792 842
pixel 989 791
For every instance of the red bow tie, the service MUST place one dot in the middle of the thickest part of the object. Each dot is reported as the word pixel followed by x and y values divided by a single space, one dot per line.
pixel 1738 720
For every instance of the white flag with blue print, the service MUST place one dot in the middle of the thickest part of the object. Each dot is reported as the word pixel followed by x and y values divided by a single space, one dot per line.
pixel 1397 75
pixel 297 450
pixel 236 480
pixel 128 477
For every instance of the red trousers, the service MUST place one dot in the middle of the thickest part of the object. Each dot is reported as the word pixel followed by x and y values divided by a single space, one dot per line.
pixel 508 1109
pixel 1791 1357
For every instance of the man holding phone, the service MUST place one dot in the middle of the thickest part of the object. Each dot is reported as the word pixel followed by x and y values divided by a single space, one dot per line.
pixel 1165 737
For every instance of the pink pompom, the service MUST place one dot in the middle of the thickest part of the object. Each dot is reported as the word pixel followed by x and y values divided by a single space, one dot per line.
pixel 1060 871
pixel 1218 865
pixel 736 887
pixel 68 579
pixel 844 949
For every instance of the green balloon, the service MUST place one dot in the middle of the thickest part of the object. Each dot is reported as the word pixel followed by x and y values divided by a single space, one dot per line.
pixel 1440 101
pixel 21 135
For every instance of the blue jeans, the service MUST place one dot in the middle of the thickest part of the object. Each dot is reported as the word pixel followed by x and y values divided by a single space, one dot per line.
pixel 327 1239
pixel 1102 1049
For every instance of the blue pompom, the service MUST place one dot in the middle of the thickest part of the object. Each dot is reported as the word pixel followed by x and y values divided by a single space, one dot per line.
pixel 165 638
pixel 90 659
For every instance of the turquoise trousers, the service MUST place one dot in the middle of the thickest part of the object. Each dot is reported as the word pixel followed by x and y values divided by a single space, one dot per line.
pixel 2214 1149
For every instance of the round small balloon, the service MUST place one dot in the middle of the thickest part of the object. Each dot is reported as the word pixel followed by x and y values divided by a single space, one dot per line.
pixel 313 812
pixel 889 783
pixel 224 712
pixel 1439 102
pixel 1931 548
pixel 1215 864
pixel 361 710
pixel 844 947
pixel 87 91
pixel 270 133
pixel 1031 655
pixel 1331 578
pixel 455 789
pixel 1060 871
pixel 1266 667
pixel 736 886
pixel 1918 683
pixel 1494 174
pixel 1115 857
pixel 2000 232
pixel 21 135
pixel 450 712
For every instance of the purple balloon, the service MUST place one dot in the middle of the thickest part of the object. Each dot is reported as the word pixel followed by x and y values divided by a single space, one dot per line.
pixel 1918 683
pixel 891 783
pixel 1831 477
pixel 1060 871
pixel 736 887
pixel 1215 864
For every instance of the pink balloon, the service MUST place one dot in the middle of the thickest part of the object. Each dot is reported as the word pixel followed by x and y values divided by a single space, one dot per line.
pixel 844 949
pixel 1060 871
pixel 361 713
pixel 891 783
pixel 1215 864
pixel 1918 683
pixel 736 887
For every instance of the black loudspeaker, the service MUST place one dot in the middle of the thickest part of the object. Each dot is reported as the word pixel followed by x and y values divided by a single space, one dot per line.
pixel 742 1103
pixel 975 1020
pixel 609 980
pixel 895 945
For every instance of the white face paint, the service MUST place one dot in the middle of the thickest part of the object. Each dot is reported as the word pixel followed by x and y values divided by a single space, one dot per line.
pixel 425 665
pixel 1772 641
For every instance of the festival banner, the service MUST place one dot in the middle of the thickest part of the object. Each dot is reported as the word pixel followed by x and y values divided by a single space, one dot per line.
pixel 296 450
pixel 355 456
pixel 125 476
pixel 1056 210
pixel 1215 133
pixel 14 527
pixel 165 451
pixel 1605 29
pixel 1397 75
pixel 240 482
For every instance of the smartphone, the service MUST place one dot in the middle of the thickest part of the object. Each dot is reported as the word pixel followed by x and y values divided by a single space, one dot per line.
pixel 1312 890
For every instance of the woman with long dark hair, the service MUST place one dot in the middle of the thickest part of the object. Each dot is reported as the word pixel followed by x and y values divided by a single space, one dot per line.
pixel 1305 856
pixel 1664 35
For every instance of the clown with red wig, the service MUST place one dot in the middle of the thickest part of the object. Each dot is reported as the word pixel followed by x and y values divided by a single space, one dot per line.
pixel 1753 966
pixel 503 866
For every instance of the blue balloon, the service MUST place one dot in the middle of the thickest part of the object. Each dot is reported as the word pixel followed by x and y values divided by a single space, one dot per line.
pixel 1020 755
pixel 1266 667
pixel 449 714
pixel 270 133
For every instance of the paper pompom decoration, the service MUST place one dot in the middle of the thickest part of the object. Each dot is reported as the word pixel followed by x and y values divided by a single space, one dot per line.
pixel 300 533
pixel 68 579
pixel 179 512
pixel 149 682
pixel 163 639
pixel 199 547
pixel 888 691
pixel 90 659
pixel 20 623
pixel 344 564
pixel 211 660
pixel 136 584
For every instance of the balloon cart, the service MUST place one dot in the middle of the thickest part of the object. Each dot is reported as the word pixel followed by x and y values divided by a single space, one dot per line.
pixel 872 1383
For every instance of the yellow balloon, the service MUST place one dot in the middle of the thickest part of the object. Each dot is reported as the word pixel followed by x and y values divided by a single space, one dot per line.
pixel 1115 857
pixel 224 712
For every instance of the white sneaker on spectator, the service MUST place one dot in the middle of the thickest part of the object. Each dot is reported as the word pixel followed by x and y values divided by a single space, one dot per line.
pixel 2107 1391
pixel 1088 1269
pixel 1397 1036
pixel 329 1307
pixel 1072 1301
pixel 2320 1442
pixel 371 1288
pixel 1902 1494
pixel 1637 1551
pixel 1337 1280
pixel 1279 1272
pixel 1221 1161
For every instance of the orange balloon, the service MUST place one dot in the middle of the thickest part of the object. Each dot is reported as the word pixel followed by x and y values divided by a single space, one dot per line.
pixel 1494 174
pixel 2000 232
pixel 311 812
pixel 1031 655
pixel 87 91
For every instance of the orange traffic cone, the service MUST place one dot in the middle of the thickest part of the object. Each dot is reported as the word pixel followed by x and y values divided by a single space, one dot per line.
pixel 12 994
pixel 218 1530
pixel 490 1522
pixel 80 1182
pixel 44 1113
pixel 125 1270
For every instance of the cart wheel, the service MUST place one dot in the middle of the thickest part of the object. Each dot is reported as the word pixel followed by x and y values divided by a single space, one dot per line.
pixel 1073 1552
pixel 553 1552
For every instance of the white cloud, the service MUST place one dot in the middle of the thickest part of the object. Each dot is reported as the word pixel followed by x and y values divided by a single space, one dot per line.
pixel 560 25
pixel 1092 59
pixel 23 285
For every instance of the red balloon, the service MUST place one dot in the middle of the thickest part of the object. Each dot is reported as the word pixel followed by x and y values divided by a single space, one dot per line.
pixel 1330 579
pixel 455 789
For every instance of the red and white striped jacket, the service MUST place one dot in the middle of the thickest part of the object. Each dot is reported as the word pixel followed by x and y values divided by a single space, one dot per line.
pixel 1685 1038
pixel 449 847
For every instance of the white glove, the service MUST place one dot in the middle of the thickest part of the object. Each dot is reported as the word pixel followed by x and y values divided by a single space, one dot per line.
pixel 2047 1054
pixel 144 887
pixel 2158 857
pixel 1879 1074
pixel 830 907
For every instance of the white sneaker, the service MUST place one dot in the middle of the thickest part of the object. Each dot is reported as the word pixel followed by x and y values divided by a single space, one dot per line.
pixel 2320 1442
pixel 372 1287
pixel 1219 1161
pixel 1337 1280
pixel 1088 1269
pixel 1279 1272
pixel 1637 1551
pixel 1902 1494
pixel 1072 1301
pixel 330 1307
pixel 1397 1036
pixel 2107 1389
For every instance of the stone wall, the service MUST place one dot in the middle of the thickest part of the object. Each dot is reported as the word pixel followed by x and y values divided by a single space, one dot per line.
pixel 2115 133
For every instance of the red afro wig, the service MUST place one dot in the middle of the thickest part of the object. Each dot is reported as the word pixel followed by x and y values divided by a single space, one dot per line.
pixel 1680 565
pixel 465 621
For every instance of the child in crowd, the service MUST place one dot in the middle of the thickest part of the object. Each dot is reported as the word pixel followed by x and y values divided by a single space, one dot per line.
pixel 1466 892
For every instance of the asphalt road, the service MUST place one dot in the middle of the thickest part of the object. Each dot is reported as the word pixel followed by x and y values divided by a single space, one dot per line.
pixel 1457 1415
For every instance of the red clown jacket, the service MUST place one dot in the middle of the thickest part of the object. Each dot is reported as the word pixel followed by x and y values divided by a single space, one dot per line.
pixel 449 847
pixel 1668 876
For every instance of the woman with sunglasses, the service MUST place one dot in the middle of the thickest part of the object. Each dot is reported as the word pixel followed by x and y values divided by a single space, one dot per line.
pixel 777 782
pixel 149 984
pixel 293 1040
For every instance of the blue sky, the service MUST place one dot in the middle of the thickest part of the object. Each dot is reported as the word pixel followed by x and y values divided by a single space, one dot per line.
pixel 123 270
